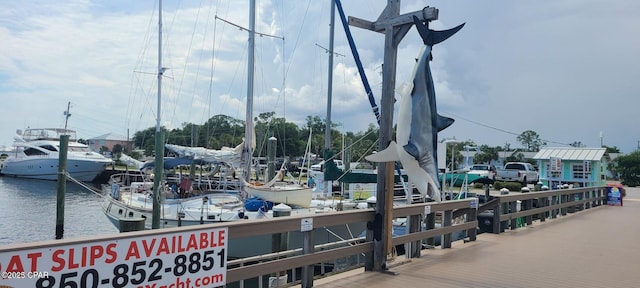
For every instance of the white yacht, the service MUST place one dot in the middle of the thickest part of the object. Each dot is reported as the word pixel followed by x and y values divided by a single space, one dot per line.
pixel 36 153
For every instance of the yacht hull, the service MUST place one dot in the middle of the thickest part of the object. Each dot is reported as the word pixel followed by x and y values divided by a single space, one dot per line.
pixel 46 168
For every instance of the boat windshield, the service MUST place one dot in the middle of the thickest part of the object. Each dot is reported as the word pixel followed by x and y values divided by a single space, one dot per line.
pixel 480 167
pixel 49 147
pixel 33 152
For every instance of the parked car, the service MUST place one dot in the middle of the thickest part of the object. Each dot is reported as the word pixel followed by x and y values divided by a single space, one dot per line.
pixel 320 166
pixel 483 170
pixel 521 172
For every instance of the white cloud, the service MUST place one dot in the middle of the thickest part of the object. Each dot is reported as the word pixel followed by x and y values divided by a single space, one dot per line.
pixel 565 69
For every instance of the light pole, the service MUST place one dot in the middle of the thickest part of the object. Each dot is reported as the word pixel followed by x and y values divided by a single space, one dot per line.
pixel 444 177
pixel 466 160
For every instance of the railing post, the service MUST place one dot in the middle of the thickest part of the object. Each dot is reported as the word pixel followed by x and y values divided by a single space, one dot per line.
pixel 527 205
pixel 513 209
pixel 600 202
pixel 555 211
pixel 563 199
pixel 497 211
pixel 472 216
pixel 543 202
pixel 571 198
pixel 414 226
pixel 307 271
pixel 430 224
pixel 447 217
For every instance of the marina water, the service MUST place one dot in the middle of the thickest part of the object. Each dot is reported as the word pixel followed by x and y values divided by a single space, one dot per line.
pixel 28 211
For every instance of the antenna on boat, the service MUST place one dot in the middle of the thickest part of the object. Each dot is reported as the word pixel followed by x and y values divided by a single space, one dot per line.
pixel 67 115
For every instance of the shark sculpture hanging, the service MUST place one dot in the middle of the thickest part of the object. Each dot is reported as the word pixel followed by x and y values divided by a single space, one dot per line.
pixel 419 121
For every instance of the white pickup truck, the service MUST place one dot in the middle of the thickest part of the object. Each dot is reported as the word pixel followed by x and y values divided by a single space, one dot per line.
pixel 521 172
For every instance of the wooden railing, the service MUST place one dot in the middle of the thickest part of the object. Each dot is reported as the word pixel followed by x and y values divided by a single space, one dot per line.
pixel 303 261
pixel 425 222
pixel 540 206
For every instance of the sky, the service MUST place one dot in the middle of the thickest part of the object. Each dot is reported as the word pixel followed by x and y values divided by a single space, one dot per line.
pixel 566 69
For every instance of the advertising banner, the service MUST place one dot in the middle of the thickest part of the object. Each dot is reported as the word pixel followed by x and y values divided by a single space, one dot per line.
pixel 171 260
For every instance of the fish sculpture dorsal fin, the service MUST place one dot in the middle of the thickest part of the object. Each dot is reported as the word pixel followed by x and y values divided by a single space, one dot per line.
pixel 444 122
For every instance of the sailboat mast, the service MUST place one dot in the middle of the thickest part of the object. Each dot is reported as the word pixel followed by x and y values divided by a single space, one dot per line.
pixel 327 132
pixel 248 126
pixel 159 157
pixel 67 114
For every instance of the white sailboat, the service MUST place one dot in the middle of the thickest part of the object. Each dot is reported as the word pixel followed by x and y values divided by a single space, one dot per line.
pixel 130 203
pixel 159 206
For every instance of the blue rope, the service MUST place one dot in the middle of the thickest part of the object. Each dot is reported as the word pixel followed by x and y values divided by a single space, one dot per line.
pixel 356 57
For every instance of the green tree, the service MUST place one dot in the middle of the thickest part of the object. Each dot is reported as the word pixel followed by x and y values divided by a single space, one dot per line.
pixel 486 155
pixel 362 143
pixel 531 140
pixel 515 157
pixel 145 140
pixel 457 155
pixel 117 149
pixel 613 149
pixel 627 168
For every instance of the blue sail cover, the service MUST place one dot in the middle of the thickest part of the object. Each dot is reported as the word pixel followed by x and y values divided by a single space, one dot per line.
pixel 171 162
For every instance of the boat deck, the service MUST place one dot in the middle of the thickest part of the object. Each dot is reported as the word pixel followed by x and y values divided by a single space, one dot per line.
pixel 592 248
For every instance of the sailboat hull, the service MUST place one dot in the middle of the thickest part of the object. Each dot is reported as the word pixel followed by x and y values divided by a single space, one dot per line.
pixel 116 211
pixel 290 195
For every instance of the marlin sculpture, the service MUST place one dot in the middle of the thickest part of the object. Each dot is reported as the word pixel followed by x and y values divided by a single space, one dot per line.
pixel 418 120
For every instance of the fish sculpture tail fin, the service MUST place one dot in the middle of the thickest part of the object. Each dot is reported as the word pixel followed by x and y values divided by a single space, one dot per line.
pixel 432 37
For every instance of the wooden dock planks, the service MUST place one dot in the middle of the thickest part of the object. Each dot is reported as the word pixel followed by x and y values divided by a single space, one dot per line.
pixel 591 248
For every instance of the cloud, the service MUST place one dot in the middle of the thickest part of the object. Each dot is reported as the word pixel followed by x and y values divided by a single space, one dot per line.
pixel 565 69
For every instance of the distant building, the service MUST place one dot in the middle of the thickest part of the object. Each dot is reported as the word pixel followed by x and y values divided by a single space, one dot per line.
pixel 582 166
pixel 468 157
pixel 109 141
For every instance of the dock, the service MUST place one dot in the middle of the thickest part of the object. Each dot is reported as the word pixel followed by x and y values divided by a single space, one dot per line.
pixel 569 238
pixel 590 248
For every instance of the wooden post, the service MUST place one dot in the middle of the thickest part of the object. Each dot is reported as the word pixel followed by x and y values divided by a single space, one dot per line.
pixel 497 211
pixel 62 185
pixel 131 224
pixel 472 216
pixel 447 217
pixel 271 158
pixel 394 26
pixel 413 226
pixel 528 205
pixel 513 207
pixel 543 202
pixel 307 248
pixel 157 180
pixel 280 241
pixel 430 223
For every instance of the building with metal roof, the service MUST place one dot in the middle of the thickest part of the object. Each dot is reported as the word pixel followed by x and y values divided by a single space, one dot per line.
pixel 108 141
pixel 578 166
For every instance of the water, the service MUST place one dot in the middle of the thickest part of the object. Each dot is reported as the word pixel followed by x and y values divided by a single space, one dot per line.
pixel 28 211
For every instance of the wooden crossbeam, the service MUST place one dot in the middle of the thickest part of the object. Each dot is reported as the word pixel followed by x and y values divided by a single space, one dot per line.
pixel 426 14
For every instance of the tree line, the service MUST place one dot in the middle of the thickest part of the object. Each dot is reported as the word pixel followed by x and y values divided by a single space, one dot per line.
pixel 222 130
